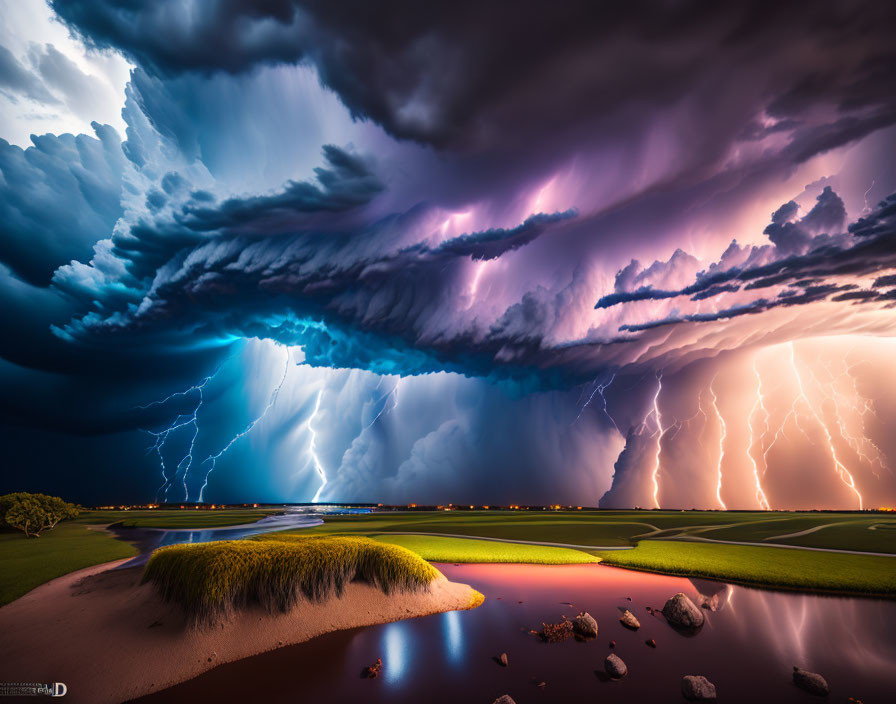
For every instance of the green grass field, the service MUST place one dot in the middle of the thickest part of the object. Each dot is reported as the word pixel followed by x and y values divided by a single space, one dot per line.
pixel 577 528
pixel 660 537
pixel 621 528
pixel 176 518
pixel 777 567
pixel 438 549
pixel 29 562
pixel 653 535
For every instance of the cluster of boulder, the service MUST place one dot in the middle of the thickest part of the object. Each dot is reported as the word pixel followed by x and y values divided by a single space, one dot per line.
pixel 584 627
pixel 682 614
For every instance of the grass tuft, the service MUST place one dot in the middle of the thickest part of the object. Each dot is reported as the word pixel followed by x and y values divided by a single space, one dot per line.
pixel 211 580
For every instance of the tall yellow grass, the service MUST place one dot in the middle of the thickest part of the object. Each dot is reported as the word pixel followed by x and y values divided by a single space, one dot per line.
pixel 211 580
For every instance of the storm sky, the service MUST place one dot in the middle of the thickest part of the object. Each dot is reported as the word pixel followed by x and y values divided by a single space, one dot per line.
pixel 630 254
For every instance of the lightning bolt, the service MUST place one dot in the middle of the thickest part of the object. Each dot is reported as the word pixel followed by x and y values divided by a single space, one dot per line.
pixel 868 406
pixel 758 404
pixel 387 408
pixel 211 460
pixel 781 431
pixel 319 468
pixel 679 424
pixel 474 284
pixel 723 433
pixel 859 445
pixel 867 208
pixel 600 389
pixel 660 431
pixel 840 468
pixel 182 420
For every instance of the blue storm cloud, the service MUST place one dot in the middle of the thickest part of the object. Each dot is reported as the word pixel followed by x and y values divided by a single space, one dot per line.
pixel 57 198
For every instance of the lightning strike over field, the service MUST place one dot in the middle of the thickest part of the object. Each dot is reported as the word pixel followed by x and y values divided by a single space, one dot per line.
pixel 660 431
pixel 862 445
pixel 723 432
pixel 211 460
pixel 180 421
pixel 841 469
pixel 319 468
pixel 758 405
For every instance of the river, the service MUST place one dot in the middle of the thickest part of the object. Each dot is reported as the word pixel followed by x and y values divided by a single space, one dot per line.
pixel 148 539
pixel 747 647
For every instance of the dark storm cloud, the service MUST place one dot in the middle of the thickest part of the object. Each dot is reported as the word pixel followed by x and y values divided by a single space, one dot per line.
pixel 659 122
pixel 491 244
pixel 151 240
pixel 351 299
pixel 57 198
pixel 358 298
pixel 871 249
pixel 347 182
pixel 792 236
pixel 455 74
pixel 755 307
pixel 883 281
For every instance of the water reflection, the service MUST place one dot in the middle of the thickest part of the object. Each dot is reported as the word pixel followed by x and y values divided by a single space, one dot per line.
pixel 748 652
pixel 714 596
pixel 395 646
pixel 452 637
pixel 819 632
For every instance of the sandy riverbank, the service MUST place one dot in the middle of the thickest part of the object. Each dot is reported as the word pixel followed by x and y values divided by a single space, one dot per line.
pixel 110 639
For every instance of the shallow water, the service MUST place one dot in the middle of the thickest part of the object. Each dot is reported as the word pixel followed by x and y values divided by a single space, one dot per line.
pixel 148 539
pixel 747 647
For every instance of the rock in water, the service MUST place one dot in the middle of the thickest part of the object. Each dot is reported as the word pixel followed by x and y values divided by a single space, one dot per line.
pixel 556 632
pixel 373 671
pixel 614 666
pixel 682 612
pixel 504 699
pixel 812 682
pixel 697 687
pixel 629 621
pixel 586 625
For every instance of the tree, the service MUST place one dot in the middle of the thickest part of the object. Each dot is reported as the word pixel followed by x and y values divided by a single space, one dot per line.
pixel 34 513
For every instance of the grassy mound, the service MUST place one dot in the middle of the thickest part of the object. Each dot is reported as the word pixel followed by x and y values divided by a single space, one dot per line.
pixel 210 580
